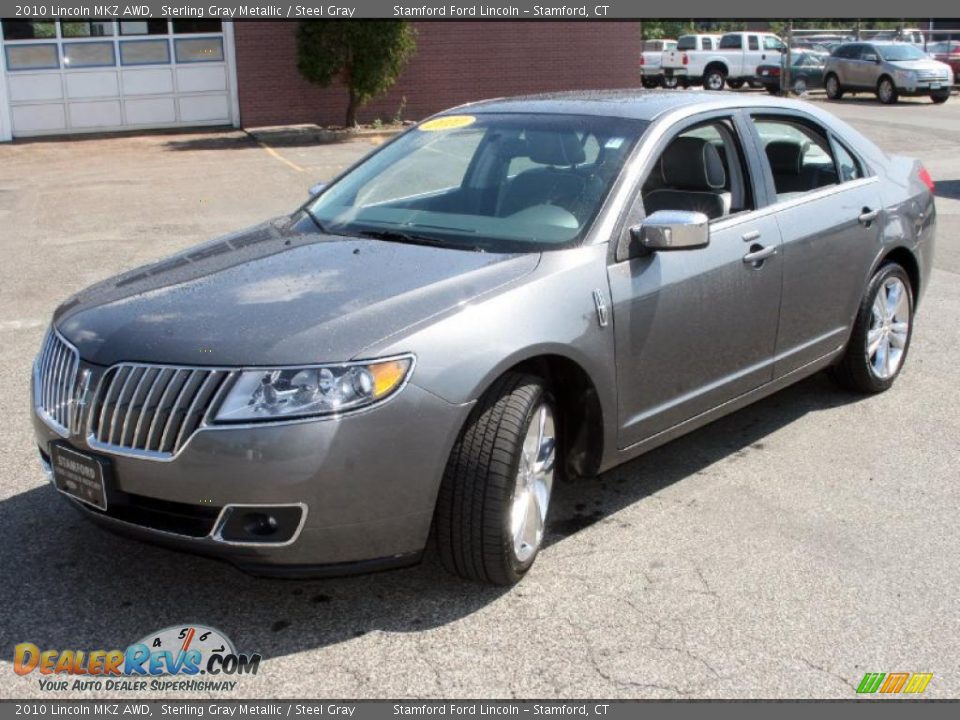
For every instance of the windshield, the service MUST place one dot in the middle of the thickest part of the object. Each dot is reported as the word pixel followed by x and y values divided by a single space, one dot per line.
pixel 497 182
pixel 893 53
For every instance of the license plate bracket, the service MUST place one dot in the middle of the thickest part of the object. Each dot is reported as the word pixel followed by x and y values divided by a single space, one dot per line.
pixel 80 475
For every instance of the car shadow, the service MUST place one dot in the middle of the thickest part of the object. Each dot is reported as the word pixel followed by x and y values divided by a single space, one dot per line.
pixel 71 584
pixel 949 189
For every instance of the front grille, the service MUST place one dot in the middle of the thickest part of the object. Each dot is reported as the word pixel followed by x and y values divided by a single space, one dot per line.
pixel 55 383
pixel 924 75
pixel 152 410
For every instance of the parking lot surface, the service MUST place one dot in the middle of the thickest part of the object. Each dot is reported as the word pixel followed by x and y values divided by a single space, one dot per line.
pixel 783 551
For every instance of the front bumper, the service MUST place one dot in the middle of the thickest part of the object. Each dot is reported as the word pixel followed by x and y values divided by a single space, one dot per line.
pixel 367 483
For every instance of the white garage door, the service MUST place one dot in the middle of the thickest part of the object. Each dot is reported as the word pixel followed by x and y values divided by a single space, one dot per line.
pixel 91 76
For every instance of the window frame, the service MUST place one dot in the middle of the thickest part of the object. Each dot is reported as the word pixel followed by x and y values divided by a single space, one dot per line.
pixel 800 118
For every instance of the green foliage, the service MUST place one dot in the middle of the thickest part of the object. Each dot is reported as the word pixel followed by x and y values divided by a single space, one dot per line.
pixel 367 57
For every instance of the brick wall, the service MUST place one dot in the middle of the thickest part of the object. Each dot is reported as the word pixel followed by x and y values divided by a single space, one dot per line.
pixel 456 62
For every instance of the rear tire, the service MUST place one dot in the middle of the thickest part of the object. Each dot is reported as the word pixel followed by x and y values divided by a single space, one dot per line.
pixel 495 492
pixel 714 79
pixel 887 91
pixel 799 86
pixel 833 88
pixel 881 333
pixel 773 89
pixel 649 83
pixel 940 97
pixel 670 83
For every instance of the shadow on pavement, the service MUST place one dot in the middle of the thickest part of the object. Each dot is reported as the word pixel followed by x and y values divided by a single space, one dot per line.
pixel 69 584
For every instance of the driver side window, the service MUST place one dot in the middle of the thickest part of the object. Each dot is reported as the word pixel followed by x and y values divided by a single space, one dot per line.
pixel 702 169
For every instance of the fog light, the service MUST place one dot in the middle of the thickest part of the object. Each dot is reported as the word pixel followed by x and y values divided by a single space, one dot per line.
pixel 260 524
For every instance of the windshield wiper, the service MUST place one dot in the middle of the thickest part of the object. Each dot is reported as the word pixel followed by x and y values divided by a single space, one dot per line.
pixel 402 236
pixel 316 220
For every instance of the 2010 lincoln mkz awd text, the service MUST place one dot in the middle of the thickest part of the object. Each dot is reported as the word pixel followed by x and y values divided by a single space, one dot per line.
pixel 507 293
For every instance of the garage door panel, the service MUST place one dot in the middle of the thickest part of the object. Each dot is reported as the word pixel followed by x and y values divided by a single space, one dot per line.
pixel 29 119
pixel 30 88
pixel 204 108
pixel 150 111
pixel 92 85
pixel 155 81
pixel 95 114
pixel 201 79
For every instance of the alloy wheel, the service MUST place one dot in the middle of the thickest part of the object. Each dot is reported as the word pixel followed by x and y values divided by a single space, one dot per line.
pixel 534 483
pixel 833 87
pixel 885 91
pixel 714 81
pixel 889 328
pixel 799 86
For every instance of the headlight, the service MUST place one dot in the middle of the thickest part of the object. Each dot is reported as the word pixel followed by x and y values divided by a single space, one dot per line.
pixel 284 393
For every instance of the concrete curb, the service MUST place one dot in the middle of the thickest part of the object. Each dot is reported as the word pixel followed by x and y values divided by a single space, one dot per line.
pixel 316 135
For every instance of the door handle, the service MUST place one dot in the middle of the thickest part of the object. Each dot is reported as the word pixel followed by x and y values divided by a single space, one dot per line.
pixel 759 253
pixel 868 216
pixel 751 236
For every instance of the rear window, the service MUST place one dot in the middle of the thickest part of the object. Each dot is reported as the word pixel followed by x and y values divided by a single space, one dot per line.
pixel 687 42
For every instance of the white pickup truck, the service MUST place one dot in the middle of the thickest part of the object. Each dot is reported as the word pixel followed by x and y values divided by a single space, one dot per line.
pixel 651 53
pixel 731 60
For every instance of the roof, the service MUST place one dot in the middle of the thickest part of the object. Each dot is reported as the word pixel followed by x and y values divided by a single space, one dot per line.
pixel 628 103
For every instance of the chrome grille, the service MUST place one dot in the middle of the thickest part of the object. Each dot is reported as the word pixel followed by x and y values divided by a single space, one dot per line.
pixel 152 410
pixel 55 384
pixel 931 75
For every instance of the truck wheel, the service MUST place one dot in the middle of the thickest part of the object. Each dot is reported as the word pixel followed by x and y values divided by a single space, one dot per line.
pixel 887 91
pixel 495 492
pixel 649 83
pixel 714 79
pixel 735 84
pixel 669 82
pixel 940 97
pixel 799 86
pixel 832 86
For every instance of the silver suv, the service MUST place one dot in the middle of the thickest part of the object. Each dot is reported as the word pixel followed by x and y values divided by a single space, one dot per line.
pixel 888 69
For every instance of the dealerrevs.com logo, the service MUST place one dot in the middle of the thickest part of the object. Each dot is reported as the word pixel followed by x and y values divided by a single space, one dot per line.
pixel 179 658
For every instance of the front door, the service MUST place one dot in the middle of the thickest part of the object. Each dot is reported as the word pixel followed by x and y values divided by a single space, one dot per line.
pixel 695 328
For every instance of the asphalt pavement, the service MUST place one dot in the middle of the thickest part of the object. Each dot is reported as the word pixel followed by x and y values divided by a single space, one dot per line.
pixel 783 551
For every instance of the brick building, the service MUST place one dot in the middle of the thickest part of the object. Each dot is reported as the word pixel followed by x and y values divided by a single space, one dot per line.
pixel 89 76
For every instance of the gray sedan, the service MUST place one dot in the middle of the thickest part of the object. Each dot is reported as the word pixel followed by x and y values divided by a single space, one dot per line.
pixel 889 69
pixel 509 293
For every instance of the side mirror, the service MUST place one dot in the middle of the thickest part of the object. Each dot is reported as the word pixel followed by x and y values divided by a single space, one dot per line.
pixel 316 189
pixel 672 230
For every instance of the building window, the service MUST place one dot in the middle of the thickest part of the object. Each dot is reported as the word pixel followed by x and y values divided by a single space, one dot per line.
pixel 78 55
pixel 193 27
pixel 144 52
pixel 28 29
pixel 197 50
pixel 32 57
pixel 86 28
pixel 143 27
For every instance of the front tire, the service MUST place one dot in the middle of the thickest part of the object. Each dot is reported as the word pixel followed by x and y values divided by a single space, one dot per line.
pixel 832 86
pixel 881 333
pixel 670 83
pixel 940 97
pixel 495 493
pixel 887 91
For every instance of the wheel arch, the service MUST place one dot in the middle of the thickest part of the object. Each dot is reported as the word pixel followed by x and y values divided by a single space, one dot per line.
pixel 904 257
pixel 579 405
pixel 717 65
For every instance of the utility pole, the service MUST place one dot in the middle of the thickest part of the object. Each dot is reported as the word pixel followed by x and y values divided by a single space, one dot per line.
pixel 787 61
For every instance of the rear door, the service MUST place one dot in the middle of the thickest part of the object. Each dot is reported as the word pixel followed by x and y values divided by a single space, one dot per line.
pixel 695 328
pixel 828 209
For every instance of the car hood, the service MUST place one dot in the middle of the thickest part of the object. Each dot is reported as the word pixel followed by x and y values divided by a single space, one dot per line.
pixel 924 64
pixel 276 295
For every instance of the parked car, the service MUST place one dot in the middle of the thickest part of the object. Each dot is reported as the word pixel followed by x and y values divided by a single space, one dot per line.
pixel 511 292
pixel 947 52
pixel 913 36
pixel 673 62
pixel 651 55
pixel 888 69
pixel 806 71
pixel 733 62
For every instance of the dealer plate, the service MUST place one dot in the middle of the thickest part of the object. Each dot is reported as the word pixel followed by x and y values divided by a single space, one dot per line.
pixel 79 475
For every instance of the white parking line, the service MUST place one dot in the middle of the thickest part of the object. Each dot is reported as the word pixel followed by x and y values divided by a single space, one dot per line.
pixel 20 324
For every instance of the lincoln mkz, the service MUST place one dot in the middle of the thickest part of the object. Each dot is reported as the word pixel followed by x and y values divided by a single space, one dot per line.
pixel 509 293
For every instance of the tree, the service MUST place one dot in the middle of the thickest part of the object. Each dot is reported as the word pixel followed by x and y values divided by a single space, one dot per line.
pixel 366 56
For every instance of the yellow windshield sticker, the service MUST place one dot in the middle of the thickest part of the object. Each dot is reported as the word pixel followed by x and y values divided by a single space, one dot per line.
pixel 449 122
